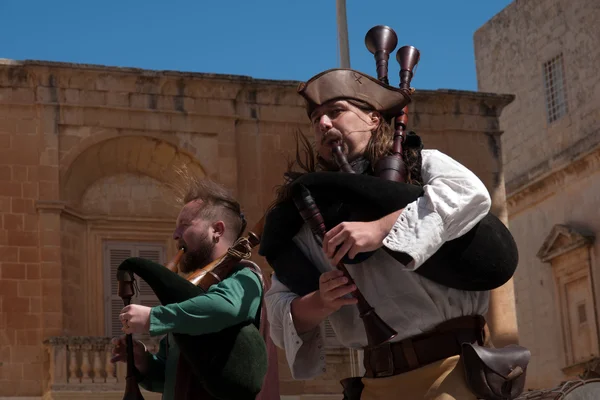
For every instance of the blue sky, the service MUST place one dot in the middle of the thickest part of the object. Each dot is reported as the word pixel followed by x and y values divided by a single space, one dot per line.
pixel 263 38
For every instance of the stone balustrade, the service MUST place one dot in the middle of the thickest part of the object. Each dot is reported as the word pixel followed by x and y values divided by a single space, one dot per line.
pixel 79 367
pixel 82 364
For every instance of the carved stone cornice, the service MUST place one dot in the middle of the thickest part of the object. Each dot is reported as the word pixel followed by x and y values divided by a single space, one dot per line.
pixel 561 240
pixel 553 181
pixel 50 206
pixel 238 117
pixel 236 88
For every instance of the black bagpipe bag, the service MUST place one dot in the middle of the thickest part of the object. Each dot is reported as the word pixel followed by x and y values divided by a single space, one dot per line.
pixel 484 258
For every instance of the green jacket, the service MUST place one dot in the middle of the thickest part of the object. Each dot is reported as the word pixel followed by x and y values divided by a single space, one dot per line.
pixel 230 302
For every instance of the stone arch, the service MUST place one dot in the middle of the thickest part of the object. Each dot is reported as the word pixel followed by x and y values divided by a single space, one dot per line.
pixel 102 135
pixel 142 155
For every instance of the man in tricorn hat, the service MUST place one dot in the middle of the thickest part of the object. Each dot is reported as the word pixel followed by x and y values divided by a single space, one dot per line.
pixel 433 308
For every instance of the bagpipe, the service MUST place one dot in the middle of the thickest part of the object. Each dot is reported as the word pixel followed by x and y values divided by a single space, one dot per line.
pixel 229 364
pixel 232 363
pixel 482 259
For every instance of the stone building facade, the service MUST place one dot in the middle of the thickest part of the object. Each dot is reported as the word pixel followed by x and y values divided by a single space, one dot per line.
pixel 86 153
pixel 546 53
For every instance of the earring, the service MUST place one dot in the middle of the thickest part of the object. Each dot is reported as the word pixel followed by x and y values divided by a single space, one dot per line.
pixel 215 239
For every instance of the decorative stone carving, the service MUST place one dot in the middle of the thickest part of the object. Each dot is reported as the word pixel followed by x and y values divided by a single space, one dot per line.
pixel 82 363
pixel 560 240
pixel 568 252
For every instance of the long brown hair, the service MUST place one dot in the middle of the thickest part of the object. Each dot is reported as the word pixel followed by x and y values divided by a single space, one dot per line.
pixel 379 145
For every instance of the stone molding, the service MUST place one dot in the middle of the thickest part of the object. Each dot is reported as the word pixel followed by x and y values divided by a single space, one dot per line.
pixel 237 92
pixel 236 116
pixel 567 251
pixel 214 77
pixel 553 181
pixel 571 239
pixel 98 229
pixel 60 207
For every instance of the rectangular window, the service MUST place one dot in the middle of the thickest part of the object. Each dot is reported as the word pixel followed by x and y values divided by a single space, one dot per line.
pixel 555 88
pixel 114 254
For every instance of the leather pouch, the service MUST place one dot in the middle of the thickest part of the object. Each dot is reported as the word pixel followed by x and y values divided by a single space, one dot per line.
pixel 495 374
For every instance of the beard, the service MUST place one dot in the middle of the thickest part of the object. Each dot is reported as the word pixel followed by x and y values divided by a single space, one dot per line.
pixel 193 260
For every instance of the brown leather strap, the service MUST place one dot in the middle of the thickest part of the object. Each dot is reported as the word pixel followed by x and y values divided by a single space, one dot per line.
pixel 442 342
pixel 408 351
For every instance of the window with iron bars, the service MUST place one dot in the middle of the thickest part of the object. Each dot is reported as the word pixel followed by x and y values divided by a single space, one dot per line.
pixel 555 89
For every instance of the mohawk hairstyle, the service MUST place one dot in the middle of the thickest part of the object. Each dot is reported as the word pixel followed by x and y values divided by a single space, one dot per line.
pixel 218 201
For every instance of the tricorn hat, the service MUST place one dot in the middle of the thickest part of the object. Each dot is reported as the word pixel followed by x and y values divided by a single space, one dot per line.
pixel 344 83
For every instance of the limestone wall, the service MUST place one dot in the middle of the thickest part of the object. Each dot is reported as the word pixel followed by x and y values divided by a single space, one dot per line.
pixel 510 50
pixel 551 175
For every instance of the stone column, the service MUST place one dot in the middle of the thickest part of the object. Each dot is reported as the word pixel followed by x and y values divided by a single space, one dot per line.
pixel 502 313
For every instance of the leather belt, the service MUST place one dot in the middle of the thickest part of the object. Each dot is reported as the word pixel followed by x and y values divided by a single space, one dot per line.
pixel 408 354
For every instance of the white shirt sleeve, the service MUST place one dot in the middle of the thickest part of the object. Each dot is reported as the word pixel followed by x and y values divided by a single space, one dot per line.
pixel 454 201
pixel 305 353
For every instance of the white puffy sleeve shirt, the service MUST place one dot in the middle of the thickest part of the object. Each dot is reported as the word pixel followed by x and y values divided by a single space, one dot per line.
pixel 454 201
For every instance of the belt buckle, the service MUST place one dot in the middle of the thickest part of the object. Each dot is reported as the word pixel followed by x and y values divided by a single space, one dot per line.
pixel 387 368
